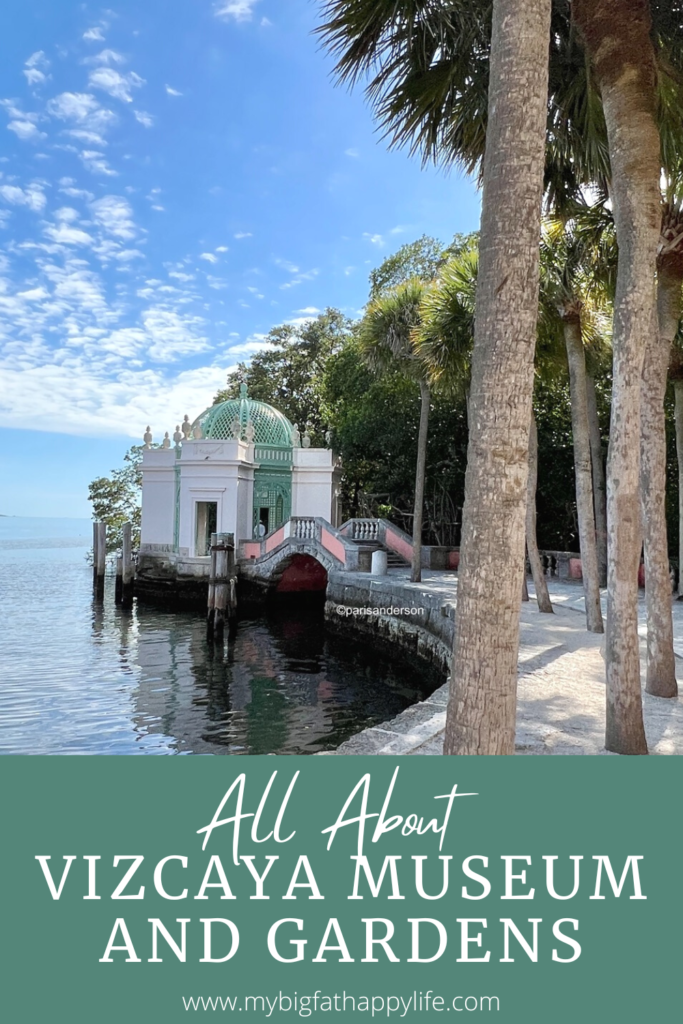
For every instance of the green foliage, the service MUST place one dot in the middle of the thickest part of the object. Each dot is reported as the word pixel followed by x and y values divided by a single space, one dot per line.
pixel 427 70
pixel 385 334
pixel 423 259
pixel 288 373
pixel 374 422
pixel 115 499
pixel 445 336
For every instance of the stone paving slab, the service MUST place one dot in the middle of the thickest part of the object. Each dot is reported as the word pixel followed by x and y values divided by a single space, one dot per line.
pixel 561 689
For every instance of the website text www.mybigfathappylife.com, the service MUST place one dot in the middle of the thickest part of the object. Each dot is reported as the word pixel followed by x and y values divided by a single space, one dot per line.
pixel 375 1006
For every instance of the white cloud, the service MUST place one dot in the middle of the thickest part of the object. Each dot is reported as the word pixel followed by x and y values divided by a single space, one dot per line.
pixel 172 92
pixel 94 35
pixel 83 135
pixel 33 196
pixel 373 239
pixel 353 153
pixel 73 106
pixel 307 275
pixel 25 130
pixel 115 84
pixel 254 343
pixel 67 234
pixel 96 163
pixel 237 10
pixel 209 257
pixel 300 321
pixel 37 60
pixel 243 234
pixel 115 215
pixel 34 76
pixel 75 193
pixel 291 268
pixel 144 118
pixel 84 110
pixel 309 311
pixel 221 248
pixel 106 57
pixel 180 275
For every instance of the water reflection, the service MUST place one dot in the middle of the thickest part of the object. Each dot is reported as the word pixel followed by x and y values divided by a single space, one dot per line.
pixel 83 677
pixel 282 685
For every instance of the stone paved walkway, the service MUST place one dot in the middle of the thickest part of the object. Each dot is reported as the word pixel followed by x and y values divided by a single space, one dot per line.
pixel 561 695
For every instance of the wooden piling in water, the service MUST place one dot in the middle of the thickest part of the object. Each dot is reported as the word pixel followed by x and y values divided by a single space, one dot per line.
pixel 127 569
pixel 118 586
pixel 99 558
pixel 222 586
pixel 212 591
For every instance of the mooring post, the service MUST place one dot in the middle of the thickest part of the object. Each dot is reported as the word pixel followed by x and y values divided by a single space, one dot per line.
pixel 95 542
pixel 222 580
pixel 128 569
pixel 232 576
pixel 212 590
pixel 118 587
pixel 220 603
pixel 100 559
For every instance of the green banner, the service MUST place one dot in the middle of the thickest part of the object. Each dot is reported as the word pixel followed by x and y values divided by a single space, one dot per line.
pixel 523 889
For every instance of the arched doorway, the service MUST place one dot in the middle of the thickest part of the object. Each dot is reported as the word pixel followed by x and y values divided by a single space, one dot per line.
pixel 303 574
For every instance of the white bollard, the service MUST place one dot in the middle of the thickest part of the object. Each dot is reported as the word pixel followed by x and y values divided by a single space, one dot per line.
pixel 379 563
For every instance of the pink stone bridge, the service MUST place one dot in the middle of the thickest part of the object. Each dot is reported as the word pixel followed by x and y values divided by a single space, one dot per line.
pixel 284 558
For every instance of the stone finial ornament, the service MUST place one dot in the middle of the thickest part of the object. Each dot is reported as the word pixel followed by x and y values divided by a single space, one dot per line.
pixel 147 438
pixel 328 438
pixel 243 391
pixel 178 436
pixel 166 443
pixel 250 432
pixel 186 427
pixel 296 436
pixel 197 432
pixel 236 428
pixel 307 437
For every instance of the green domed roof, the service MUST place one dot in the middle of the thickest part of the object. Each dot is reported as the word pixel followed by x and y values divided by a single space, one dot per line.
pixel 231 419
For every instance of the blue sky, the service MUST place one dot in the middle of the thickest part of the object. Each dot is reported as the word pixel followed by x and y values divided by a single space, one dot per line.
pixel 175 179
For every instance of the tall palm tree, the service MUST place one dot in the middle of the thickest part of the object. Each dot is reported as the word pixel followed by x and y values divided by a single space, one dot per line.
pixel 661 662
pixel 445 339
pixel 573 308
pixel 483 696
pixel 385 339
pixel 618 37
pixel 429 83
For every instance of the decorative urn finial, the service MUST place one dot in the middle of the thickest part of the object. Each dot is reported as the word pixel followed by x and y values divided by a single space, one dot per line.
pixel 296 436
pixel 178 436
pixel 147 438
pixel 244 391
pixel 307 437
pixel 186 427
pixel 197 432
pixel 166 443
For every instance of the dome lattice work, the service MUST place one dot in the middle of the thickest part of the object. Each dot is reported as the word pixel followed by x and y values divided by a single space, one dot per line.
pixel 247 419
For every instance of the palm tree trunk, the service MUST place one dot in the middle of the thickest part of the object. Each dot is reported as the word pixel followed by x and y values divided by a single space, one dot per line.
pixel 599 491
pixel 483 695
pixel 661 662
pixel 576 358
pixel 540 583
pixel 678 419
pixel 618 37
pixel 420 473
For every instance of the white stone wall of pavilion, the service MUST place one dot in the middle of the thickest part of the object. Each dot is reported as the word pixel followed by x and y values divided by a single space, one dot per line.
pixel 223 472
